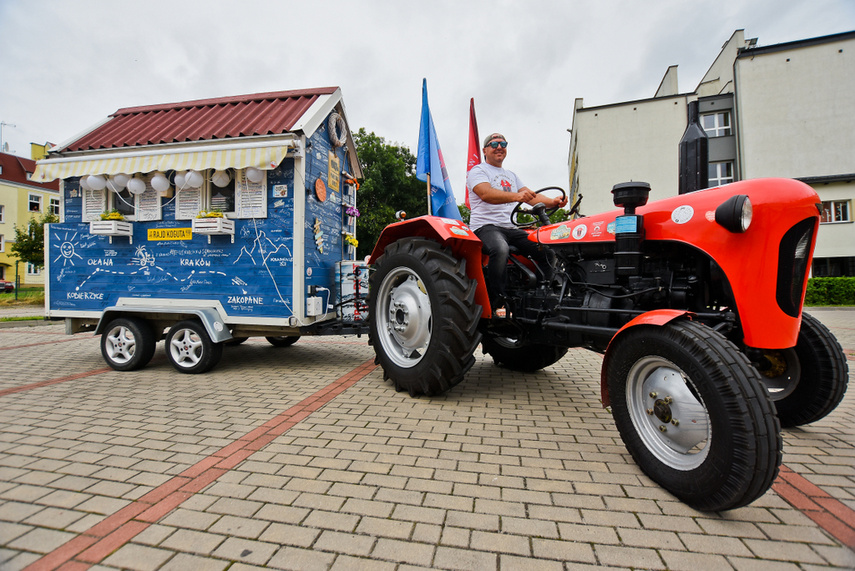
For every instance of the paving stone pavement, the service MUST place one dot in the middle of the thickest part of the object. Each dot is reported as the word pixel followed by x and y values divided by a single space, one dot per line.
pixel 304 458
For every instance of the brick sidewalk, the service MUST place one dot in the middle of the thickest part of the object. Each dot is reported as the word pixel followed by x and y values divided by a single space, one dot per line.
pixel 303 458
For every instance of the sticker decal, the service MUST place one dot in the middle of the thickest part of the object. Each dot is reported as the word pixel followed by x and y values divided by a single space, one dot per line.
pixel 579 232
pixel 597 229
pixel 710 215
pixel 560 233
pixel 682 214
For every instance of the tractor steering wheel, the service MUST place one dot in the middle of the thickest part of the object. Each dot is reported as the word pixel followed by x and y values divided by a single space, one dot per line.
pixel 538 211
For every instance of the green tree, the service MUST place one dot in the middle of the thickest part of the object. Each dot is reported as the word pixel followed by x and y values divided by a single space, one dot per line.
pixel 389 184
pixel 29 243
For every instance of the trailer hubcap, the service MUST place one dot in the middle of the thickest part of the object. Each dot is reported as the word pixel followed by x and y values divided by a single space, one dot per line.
pixel 120 344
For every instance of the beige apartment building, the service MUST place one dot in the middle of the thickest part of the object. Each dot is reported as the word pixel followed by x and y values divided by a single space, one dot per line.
pixel 784 110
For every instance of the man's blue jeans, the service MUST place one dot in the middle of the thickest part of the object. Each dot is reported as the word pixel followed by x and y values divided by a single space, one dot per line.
pixel 496 244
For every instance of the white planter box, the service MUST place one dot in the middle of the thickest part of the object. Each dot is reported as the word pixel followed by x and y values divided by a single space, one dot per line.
pixel 112 228
pixel 214 227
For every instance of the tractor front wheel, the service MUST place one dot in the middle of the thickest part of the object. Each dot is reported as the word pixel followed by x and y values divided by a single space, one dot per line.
pixel 694 415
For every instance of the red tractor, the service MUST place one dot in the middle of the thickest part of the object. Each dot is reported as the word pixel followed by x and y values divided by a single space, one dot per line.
pixel 695 302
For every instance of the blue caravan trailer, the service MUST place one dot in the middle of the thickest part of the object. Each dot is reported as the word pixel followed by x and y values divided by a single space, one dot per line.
pixel 207 222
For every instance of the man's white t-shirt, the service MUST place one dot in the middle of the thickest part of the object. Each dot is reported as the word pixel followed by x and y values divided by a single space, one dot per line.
pixel 483 213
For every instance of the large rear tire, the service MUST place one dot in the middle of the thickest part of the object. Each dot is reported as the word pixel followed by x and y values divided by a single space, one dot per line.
pixel 511 354
pixel 807 382
pixel 694 414
pixel 423 319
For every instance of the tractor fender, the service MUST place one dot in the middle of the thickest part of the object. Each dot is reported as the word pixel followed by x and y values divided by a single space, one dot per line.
pixel 657 317
pixel 452 234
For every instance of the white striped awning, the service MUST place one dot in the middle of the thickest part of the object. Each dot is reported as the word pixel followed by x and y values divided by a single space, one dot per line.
pixel 264 156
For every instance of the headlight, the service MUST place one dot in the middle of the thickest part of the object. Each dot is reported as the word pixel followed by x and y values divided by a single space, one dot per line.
pixel 735 213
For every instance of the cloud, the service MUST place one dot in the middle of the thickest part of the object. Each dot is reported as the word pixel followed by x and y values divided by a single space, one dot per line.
pixel 68 65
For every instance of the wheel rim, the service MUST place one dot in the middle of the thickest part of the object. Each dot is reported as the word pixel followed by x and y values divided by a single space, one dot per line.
pixel 782 373
pixel 670 419
pixel 186 348
pixel 120 345
pixel 404 317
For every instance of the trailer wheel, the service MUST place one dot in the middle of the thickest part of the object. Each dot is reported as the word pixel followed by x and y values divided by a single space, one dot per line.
pixel 128 343
pixel 694 414
pixel 510 353
pixel 190 349
pixel 423 317
pixel 809 381
pixel 283 341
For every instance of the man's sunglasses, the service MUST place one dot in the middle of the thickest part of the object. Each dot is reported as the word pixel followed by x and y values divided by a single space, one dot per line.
pixel 496 144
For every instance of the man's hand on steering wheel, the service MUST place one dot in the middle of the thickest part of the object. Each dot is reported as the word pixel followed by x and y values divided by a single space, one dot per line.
pixel 525 208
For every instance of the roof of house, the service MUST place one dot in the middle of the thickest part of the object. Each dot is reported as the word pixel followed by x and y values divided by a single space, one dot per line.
pixel 18 170
pixel 201 120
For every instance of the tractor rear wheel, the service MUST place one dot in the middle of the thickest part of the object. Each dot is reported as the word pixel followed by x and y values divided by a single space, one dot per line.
pixel 423 319
pixel 512 354
pixel 808 381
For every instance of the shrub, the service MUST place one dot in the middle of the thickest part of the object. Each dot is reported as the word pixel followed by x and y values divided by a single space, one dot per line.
pixel 830 291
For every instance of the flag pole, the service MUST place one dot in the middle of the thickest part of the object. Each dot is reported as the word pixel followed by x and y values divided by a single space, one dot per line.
pixel 428 195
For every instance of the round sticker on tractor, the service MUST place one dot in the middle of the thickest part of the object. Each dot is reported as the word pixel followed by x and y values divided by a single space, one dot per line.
pixel 682 214
pixel 580 231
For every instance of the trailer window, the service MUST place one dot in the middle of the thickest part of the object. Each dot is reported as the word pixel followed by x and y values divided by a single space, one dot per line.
pixel 222 198
pixel 124 202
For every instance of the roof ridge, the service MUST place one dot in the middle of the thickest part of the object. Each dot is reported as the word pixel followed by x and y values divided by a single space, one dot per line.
pixel 210 102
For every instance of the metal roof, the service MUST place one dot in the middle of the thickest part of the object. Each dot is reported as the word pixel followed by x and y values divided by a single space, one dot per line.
pixel 17 170
pixel 201 120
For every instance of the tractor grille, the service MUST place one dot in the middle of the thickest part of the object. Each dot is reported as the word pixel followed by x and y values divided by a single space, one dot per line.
pixel 793 255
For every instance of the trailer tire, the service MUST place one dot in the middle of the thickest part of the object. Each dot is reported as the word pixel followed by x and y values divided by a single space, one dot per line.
pixel 128 343
pixel 508 353
pixel 190 349
pixel 809 380
pixel 694 415
pixel 423 319
pixel 283 340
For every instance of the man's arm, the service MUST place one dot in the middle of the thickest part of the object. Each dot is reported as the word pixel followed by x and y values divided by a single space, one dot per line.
pixel 547 201
pixel 492 195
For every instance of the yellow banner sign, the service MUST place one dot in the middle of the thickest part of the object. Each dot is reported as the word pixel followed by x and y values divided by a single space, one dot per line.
pixel 170 234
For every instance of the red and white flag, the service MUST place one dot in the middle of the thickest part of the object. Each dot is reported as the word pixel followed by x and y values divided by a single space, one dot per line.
pixel 474 157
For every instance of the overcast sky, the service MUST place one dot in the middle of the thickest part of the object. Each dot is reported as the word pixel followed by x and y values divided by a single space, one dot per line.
pixel 66 65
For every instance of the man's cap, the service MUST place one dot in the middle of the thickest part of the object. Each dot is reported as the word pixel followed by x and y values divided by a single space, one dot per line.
pixel 494 136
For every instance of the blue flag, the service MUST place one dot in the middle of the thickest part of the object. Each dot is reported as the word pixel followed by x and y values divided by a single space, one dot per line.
pixel 430 162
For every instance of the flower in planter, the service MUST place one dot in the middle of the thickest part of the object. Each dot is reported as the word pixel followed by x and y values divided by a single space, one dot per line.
pixel 351 239
pixel 112 215
pixel 215 213
pixel 352 211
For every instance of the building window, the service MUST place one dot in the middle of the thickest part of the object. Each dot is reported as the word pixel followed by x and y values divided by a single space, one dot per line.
pixel 717 124
pixel 35 203
pixel 2 243
pixel 720 173
pixel 54 206
pixel 2 213
pixel 835 211
pixel 33 270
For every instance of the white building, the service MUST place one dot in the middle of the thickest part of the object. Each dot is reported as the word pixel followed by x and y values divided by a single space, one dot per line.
pixel 784 110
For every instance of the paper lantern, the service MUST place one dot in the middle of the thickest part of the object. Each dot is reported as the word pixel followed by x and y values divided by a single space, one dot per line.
pixel 83 184
pixel 180 183
pixel 220 178
pixel 159 182
pixel 96 182
pixel 254 175
pixel 120 180
pixel 193 179
pixel 136 186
